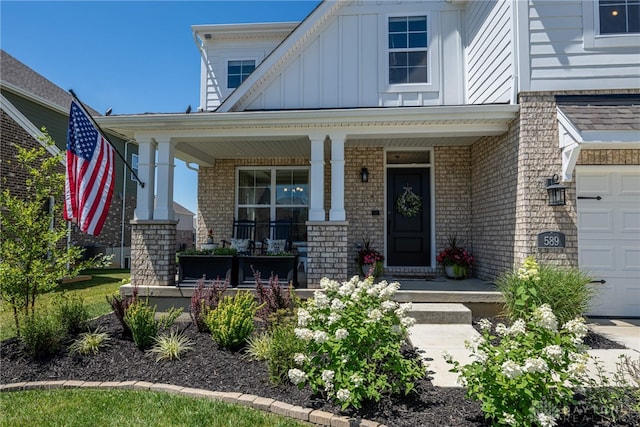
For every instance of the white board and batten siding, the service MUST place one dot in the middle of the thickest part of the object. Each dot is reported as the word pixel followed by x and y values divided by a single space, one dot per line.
pixel 344 64
pixel 489 52
pixel 561 56
pixel 609 236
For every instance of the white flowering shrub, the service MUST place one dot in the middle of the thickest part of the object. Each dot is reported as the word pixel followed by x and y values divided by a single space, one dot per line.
pixel 354 334
pixel 530 376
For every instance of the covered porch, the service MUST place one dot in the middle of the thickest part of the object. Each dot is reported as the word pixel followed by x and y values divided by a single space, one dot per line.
pixel 334 145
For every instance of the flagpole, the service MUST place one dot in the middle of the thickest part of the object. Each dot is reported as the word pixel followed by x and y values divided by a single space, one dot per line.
pixel 107 139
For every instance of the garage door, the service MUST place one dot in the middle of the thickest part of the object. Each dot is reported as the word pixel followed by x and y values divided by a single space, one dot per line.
pixel 609 236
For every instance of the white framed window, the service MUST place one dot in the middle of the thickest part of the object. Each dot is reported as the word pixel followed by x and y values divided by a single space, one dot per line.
pixel 611 23
pixel 408 50
pixel 619 16
pixel 266 194
pixel 238 70
pixel 134 166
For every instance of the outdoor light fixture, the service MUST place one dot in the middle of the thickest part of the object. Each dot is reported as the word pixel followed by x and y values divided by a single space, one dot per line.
pixel 557 196
pixel 364 175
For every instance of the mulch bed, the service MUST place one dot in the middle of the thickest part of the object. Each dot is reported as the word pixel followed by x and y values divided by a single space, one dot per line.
pixel 211 368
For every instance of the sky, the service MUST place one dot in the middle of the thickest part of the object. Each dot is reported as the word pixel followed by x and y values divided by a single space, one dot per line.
pixel 130 56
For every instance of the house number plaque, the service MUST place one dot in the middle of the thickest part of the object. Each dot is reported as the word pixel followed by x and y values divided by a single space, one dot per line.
pixel 551 239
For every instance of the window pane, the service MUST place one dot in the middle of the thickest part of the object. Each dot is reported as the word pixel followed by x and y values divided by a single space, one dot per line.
pixel 248 68
pixel 633 16
pixel 397 75
pixel 234 69
pixel 263 178
pixel 417 23
pixel 246 196
pixel 418 40
pixel 246 178
pixel 417 58
pixel 263 196
pixel 397 59
pixel 298 216
pixel 398 25
pixel 233 82
pixel 397 41
pixel 418 75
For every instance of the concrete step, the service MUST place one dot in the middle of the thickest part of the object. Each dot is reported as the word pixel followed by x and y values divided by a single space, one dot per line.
pixel 440 313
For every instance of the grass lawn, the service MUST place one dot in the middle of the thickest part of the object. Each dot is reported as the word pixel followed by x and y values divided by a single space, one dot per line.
pixel 103 282
pixel 86 407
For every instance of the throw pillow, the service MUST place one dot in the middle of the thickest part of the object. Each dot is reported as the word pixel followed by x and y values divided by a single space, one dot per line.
pixel 276 245
pixel 240 245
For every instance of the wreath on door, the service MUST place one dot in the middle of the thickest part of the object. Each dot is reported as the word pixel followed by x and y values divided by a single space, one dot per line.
pixel 408 203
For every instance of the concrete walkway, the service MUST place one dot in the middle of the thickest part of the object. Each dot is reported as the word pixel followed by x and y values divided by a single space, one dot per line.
pixel 433 340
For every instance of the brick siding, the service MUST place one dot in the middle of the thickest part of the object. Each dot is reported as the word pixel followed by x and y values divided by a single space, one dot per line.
pixel 154 244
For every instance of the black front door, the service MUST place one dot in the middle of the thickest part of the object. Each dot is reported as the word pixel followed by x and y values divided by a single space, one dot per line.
pixel 408 235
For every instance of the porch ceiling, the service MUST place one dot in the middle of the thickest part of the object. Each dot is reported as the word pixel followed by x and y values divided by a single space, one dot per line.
pixel 203 137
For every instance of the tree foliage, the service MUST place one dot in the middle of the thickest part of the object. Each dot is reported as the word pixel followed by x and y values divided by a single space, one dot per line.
pixel 34 256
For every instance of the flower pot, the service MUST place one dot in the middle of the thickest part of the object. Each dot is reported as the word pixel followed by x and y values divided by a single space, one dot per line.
pixel 456 271
pixel 374 269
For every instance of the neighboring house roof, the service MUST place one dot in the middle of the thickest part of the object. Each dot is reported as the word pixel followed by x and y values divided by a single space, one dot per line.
pixel 181 210
pixel 19 78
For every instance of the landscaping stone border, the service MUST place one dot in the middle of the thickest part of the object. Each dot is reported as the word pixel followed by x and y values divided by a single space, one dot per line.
pixel 313 416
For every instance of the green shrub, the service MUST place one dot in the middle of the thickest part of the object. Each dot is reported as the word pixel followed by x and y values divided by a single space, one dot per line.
pixel 205 298
pixel 73 313
pixel 353 334
pixel 566 290
pixel 170 347
pixel 89 343
pixel 283 349
pixel 258 347
pixel 528 373
pixel 140 317
pixel 232 322
pixel 42 334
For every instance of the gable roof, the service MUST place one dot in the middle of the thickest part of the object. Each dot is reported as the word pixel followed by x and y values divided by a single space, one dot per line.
pixel 278 59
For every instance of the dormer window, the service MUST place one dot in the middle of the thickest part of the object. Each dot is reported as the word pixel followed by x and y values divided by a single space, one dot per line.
pixel 238 71
pixel 408 50
pixel 619 16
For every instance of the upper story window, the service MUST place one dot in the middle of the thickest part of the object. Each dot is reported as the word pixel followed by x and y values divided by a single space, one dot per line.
pixel 408 50
pixel 238 71
pixel 619 16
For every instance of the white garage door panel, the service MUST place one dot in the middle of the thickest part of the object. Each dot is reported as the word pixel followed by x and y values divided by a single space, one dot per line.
pixel 630 185
pixel 594 220
pixel 609 236
pixel 630 220
pixel 631 259
pixel 597 258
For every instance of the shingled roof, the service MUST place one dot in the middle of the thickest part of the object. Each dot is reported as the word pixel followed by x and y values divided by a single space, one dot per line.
pixel 15 74
pixel 602 113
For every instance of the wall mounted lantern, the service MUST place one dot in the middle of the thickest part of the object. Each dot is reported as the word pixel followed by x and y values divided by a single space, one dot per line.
pixel 557 195
pixel 364 175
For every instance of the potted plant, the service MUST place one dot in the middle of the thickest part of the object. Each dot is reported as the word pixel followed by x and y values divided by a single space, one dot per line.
pixel 209 244
pixel 369 260
pixel 212 264
pixel 456 260
pixel 281 264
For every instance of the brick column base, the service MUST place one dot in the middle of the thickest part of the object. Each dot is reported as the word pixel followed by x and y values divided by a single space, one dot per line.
pixel 327 256
pixel 153 253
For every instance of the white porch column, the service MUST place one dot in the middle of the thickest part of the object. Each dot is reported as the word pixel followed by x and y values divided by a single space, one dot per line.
pixel 316 208
pixel 146 173
pixel 164 192
pixel 336 213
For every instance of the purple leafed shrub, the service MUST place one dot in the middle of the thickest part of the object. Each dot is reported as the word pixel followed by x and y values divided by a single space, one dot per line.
pixel 205 298
pixel 120 304
pixel 274 300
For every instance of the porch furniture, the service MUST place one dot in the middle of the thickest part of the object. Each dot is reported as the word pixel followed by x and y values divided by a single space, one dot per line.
pixel 244 236
pixel 280 237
